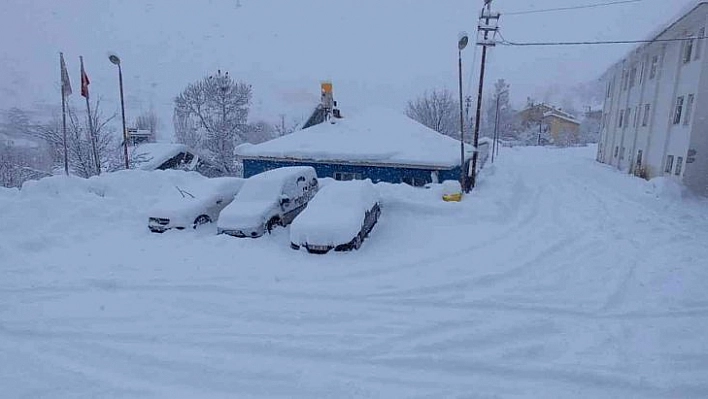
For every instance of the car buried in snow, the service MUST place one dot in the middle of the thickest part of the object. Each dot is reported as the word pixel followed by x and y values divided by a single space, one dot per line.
pixel 194 206
pixel 267 200
pixel 340 217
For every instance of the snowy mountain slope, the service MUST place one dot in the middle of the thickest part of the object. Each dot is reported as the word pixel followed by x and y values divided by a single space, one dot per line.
pixel 558 277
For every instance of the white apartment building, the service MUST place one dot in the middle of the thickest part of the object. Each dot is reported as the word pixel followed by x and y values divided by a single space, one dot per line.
pixel 655 116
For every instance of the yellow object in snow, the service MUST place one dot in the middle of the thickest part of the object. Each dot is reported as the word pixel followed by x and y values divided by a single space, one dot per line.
pixel 456 197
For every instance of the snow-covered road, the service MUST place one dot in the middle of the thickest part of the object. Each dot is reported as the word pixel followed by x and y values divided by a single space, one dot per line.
pixel 558 277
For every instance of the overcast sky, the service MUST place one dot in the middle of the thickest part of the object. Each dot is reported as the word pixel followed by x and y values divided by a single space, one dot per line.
pixel 377 52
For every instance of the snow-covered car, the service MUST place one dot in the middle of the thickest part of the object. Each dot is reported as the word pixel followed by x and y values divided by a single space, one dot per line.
pixel 269 199
pixel 194 206
pixel 340 217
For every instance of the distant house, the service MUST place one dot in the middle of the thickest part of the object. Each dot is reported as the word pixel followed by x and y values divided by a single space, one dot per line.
pixel 139 136
pixel 380 145
pixel 163 156
pixel 654 116
pixel 560 126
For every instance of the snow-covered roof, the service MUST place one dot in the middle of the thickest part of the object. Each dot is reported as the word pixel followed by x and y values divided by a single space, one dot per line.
pixel 149 156
pixel 683 12
pixel 561 115
pixel 376 136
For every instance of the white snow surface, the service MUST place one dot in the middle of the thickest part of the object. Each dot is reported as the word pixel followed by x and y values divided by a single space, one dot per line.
pixel 557 277
pixel 335 215
pixel 372 135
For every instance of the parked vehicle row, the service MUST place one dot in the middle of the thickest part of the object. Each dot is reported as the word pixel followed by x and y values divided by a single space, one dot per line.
pixel 338 216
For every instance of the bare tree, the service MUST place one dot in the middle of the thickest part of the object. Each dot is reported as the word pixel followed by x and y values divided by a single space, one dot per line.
pixel 80 154
pixel 148 120
pixel 211 115
pixel 21 157
pixel 437 110
pixel 283 127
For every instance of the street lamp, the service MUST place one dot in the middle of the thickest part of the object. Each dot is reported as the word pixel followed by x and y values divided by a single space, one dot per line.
pixel 462 41
pixel 116 61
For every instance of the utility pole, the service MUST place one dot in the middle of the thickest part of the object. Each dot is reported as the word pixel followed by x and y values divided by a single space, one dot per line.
pixel 488 23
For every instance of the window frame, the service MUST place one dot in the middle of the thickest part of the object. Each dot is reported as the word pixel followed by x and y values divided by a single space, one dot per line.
pixel 347 176
pixel 678 109
pixel 668 168
pixel 645 119
pixel 653 71
pixel 688 50
pixel 679 166
pixel 689 109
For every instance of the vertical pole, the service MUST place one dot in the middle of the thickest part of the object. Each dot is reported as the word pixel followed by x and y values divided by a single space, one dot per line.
pixel 63 118
pixel 122 111
pixel 463 172
pixel 540 126
pixel 92 134
pixel 475 139
pixel 496 128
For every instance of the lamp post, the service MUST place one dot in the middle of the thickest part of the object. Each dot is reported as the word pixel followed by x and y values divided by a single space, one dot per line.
pixel 116 61
pixel 462 41
pixel 495 145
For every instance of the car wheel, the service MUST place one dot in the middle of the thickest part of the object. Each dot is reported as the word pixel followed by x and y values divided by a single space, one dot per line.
pixel 272 223
pixel 200 220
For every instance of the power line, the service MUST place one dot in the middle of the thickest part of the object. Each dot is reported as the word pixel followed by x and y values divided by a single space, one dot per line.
pixel 596 5
pixel 505 42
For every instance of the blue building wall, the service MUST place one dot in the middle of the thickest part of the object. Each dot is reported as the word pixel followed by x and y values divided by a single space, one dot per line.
pixel 375 173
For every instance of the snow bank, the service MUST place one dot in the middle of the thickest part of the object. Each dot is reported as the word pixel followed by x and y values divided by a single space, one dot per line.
pixel 667 188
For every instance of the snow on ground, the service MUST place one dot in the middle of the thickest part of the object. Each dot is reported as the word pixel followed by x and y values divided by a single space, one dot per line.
pixel 558 277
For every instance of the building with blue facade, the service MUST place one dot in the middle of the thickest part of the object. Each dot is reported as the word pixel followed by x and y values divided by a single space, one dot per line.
pixel 380 145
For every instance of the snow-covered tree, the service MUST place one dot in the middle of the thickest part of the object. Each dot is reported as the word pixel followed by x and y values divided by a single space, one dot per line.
pixel 437 110
pixel 211 115
pixel 79 149
pixel 506 112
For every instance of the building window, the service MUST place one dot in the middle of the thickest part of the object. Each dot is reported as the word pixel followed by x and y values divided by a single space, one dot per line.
pixel 344 176
pixel 616 151
pixel 633 77
pixel 669 164
pixel 609 89
pixel 645 120
pixel 678 110
pixel 627 117
pixel 688 50
pixel 412 181
pixel 622 153
pixel 699 43
pixel 689 108
pixel 679 165
pixel 637 112
pixel 620 118
pixel 641 72
pixel 639 158
pixel 654 67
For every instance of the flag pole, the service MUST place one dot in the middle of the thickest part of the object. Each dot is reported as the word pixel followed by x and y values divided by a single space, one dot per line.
pixel 62 69
pixel 92 133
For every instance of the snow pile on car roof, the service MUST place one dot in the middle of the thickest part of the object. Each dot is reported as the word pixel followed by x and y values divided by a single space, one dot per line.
pixel 336 214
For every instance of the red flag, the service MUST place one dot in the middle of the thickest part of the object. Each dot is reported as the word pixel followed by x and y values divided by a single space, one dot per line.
pixel 84 80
